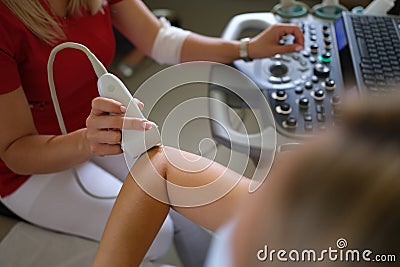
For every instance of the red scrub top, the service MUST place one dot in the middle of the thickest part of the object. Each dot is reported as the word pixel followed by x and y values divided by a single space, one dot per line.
pixel 23 62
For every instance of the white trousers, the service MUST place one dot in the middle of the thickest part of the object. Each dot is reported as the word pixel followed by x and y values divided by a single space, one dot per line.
pixel 61 202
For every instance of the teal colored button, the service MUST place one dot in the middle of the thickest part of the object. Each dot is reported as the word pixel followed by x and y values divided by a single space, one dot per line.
pixel 325 59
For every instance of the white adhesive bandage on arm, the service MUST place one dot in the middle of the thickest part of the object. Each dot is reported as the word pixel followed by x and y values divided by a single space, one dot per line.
pixel 168 43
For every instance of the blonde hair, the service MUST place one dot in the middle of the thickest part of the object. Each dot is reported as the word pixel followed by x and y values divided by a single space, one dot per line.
pixel 44 25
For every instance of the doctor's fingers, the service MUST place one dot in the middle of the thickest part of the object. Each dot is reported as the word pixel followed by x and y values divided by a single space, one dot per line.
pixel 116 122
pixel 99 149
pixel 107 141
pixel 103 105
pixel 104 142
pixel 130 123
pixel 284 49
pixel 281 30
pixel 104 136
pixel 139 103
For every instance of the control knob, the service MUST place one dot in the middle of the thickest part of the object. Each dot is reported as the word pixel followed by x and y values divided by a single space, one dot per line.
pixel 321 70
pixel 278 69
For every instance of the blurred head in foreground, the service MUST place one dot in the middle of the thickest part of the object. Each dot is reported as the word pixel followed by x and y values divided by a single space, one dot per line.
pixel 334 201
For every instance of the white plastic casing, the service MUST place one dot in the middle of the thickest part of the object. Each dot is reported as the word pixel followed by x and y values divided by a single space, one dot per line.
pixel 134 142
pixel 379 7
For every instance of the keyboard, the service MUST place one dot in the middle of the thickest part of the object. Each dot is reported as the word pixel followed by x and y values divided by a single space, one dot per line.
pixel 374 43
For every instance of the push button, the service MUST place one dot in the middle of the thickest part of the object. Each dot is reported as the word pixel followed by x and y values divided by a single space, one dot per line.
pixel 314 48
pixel 319 94
pixel 328 44
pixel 321 117
pixel 308 117
pixel 298 90
pixel 329 84
pixel 286 79
pixel 326 57
pixel 306 53
pixel 304 102
pixel 275 80
pixel 308 127
pixel 320 109
pixel 290 122
pixel 279 95
pixel 308 85
pixel 313 60
pixel 284 109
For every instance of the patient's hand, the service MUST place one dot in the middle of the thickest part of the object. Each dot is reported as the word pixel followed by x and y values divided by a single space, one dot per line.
pixel 104 128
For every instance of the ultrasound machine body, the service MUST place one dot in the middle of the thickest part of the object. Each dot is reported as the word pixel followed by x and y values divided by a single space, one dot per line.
pixel 305 89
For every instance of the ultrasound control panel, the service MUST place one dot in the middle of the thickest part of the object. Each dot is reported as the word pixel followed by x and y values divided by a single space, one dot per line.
pixel 303 89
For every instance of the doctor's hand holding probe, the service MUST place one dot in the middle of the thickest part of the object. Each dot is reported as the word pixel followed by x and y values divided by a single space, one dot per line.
pixel 185 47
pixel 39 165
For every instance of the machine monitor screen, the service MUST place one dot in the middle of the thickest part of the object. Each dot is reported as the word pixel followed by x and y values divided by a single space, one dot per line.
pixel 341 37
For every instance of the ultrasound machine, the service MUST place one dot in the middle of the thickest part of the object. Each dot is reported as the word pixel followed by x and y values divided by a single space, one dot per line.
pixel 345 53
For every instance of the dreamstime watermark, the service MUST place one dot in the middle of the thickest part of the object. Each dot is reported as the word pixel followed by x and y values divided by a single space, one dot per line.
pixel 340 253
